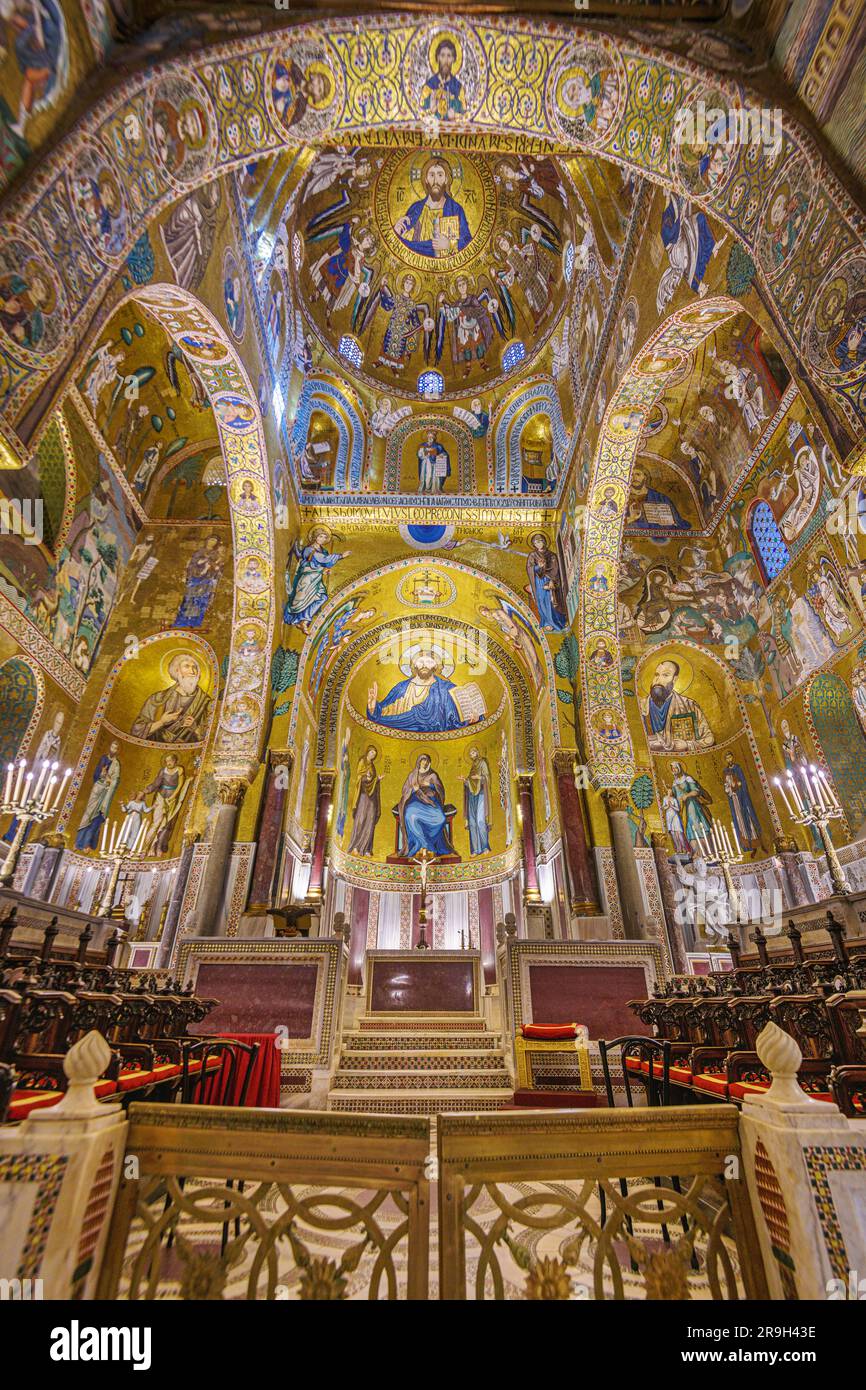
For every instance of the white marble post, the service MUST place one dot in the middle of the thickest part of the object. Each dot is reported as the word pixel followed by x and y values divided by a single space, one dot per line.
pixel 59 1174
pixel 806 1173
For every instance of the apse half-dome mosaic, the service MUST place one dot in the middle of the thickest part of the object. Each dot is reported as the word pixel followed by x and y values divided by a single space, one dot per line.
pixel 434 260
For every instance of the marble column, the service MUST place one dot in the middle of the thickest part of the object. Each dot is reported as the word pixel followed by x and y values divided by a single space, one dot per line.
pixel 669 888
pixel 786 857
pixel 625 864
pixel 231 794
pixel 584 894
pixel 269 832
pixel 526 804
pixel 324 802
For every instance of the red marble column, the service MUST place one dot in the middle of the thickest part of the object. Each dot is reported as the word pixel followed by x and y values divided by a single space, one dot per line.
pixel 526 804
pixel 324 801
pixel 487 932
pixel 584 894
pixel 358 939
pixel 270 829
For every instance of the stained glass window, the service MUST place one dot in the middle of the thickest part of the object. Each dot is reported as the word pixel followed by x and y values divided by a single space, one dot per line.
pixel 767 541
pixel 350 348
pixel 513 355
pixel 430 384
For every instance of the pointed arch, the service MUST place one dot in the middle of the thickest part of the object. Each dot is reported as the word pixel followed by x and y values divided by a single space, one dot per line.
pixel 611 752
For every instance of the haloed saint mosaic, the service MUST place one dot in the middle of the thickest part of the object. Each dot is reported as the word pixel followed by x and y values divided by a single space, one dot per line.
pixel 436 269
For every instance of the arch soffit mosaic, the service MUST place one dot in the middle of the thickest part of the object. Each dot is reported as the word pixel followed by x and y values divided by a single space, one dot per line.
pixel 239 426
pixel 660 359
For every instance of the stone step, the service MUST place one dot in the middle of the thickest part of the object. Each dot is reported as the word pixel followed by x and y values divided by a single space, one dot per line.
pixel 421 1023
pixel 395 1080
pixel 439 1042
pixel 466 1060
pixel 413 1103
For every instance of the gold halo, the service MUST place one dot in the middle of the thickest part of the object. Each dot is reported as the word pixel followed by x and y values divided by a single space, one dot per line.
pixel 317 65
pixel 446 664
pixel 683 681
pixel 437 38
pixel 34 267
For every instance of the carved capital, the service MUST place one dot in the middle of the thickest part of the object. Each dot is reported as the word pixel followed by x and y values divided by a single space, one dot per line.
pixel 524 783
pixel 281 757
pixel 53 839
pixel 615 799
pixel 231 790
pixel 783 844
pixel 659 839
pixel 564 761
pixel 326 781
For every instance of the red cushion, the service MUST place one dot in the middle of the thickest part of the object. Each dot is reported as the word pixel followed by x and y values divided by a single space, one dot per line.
pixel 104 1088
pixel 556 1100
pixel 633 1063
pixel 738 1089
pixel 715 1085
pixel 681 1075
pixel 23 1101
pixel 548 1032
pixel 166 1070
pixel 131 1080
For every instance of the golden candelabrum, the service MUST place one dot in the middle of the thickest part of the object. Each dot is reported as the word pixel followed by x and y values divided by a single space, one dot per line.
pixel 30 797
pixel 719 849
pixel 423 859
pixel 811 801
pixel 116 849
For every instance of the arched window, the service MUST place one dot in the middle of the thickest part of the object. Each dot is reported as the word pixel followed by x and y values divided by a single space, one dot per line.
pixel 767 542
pixel 350 348
pixel 513 355
pixel 431 385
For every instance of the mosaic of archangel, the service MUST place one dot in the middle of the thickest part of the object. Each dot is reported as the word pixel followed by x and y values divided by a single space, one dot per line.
pixel 433 260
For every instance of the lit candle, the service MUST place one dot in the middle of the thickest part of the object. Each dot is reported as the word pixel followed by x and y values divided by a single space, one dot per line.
pixel 16 797
pixel 48 788
pixel 828 787
pixel 37 790
pixel 124 828
pixel 778 782
pixel 140 838
pixel 728 844
pixel 736 839
pixel 714 831
pixel 64 779
pixel 26 796
pixel 795 792
pixel 810 794
pixel 113 837
pixel 7 794
pixel 104 833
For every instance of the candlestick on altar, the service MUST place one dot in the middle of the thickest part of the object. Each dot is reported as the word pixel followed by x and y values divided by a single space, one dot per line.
pixel 813 805
pixel 30 799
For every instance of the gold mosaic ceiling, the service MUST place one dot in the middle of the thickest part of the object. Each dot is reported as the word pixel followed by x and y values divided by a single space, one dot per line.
pixel 434 260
